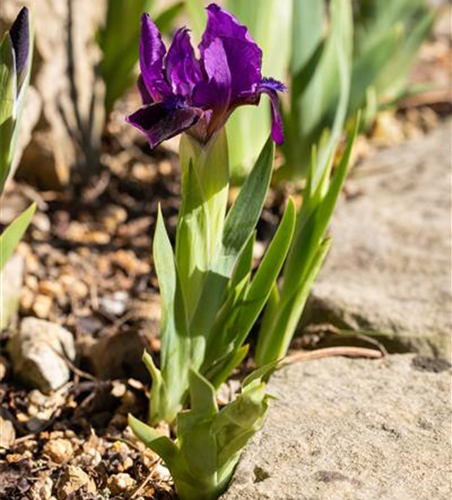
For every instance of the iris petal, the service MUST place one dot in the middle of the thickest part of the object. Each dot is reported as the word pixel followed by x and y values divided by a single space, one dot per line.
pixel 181 92
pixel 163 120
pixel 152 52
pixel 271 87
pixel 215 93
pixel 183 70
pixel 243 54
pixel 145 95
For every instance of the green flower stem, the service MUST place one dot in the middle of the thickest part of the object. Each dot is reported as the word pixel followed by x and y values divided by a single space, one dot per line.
pixel 205 186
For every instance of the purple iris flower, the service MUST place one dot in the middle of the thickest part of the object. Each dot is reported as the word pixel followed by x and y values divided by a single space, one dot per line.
pixel 181 92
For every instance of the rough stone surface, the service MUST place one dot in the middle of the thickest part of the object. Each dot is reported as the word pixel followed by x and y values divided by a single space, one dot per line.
pixel 52 151
pixel 389 268
pixel 37 354
pixel 346 429
pixel 11 280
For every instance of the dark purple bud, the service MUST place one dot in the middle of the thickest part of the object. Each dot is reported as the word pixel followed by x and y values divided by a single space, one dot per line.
pixel 20 38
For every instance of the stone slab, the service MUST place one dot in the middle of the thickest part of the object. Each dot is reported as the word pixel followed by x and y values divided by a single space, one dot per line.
pixel 389 269
pixel 346 429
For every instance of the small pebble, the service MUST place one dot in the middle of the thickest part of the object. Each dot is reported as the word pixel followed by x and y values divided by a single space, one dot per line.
pixel 120 483
pixel 42 489
pixel 115 304
pixel 3 368
pixel 7 433
pixel 72 480
pixel 59 451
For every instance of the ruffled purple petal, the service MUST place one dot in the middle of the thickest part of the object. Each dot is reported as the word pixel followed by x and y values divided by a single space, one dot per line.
pixel 271 87
pixel 152 52
pixel 183 70
pixel 20 39
pixel 243 54
pixel 163 120
pixel 215 93
pixel 181 92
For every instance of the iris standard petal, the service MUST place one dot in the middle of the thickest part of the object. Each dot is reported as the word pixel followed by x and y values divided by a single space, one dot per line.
pixel 163 120
pixel 215 93
pixel 152 52
pixel 271 87
pixel 20 38
pixel 243 54
pixel 183 70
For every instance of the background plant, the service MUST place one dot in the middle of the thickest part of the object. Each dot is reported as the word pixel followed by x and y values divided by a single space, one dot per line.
pixel 307 253
pixel 340 56
pixel 116 71
pixel 361 62
pixel 387 41
pixel 15 64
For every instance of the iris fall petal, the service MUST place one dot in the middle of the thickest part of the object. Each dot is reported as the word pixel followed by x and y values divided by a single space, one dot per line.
pixel 161 121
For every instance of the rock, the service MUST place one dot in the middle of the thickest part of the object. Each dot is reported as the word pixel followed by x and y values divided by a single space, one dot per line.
pixel 115 355
pixel 115 304
pixel 41 408
pixel 12 275
pixel 3 368
pixel 120 483
pixel 72 480
pixel 389 271
pixel 42 305
pixel 7 433
pixel 42 488
pixel 352 429
pixel 59 450
pixel 37 352
pixel 52 152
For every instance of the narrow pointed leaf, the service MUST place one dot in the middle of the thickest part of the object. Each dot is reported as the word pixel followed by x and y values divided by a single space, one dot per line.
pixel 264 280
pixel 273 344
pixel 156 441
pixel 12 235
pixel 244 214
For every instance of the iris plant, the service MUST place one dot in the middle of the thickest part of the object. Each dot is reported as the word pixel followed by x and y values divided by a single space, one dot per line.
pixel 15 63
pixel 210 297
